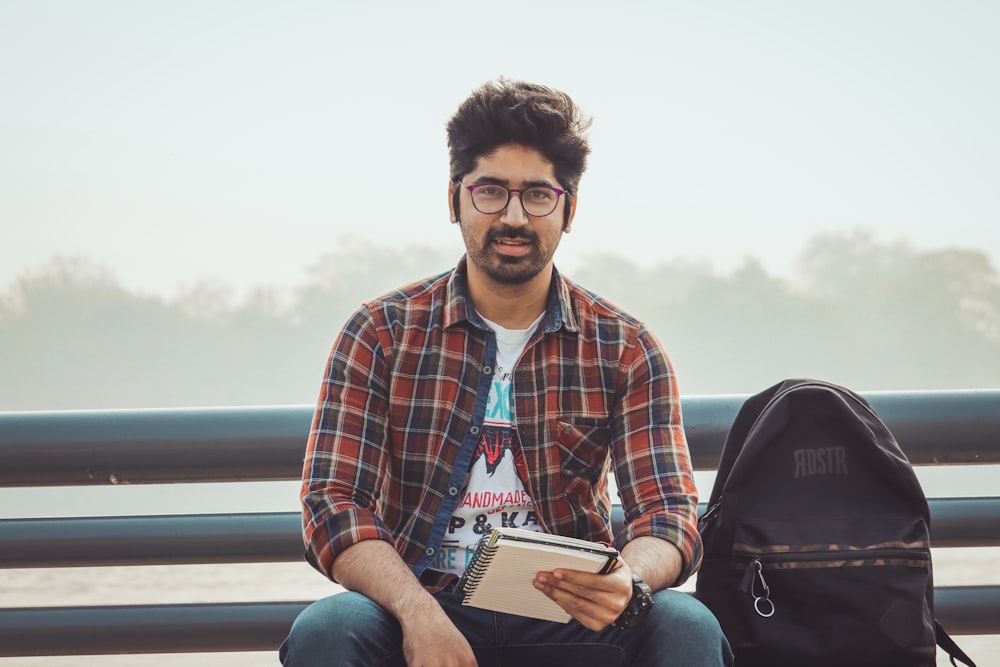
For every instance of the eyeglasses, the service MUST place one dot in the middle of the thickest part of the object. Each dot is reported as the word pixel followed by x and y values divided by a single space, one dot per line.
pixel 537 201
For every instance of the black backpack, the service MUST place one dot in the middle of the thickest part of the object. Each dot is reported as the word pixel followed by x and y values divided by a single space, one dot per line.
pixel 817 545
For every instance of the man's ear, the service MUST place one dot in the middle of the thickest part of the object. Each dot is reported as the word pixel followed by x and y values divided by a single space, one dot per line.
pixel 451 203
pixel 568 224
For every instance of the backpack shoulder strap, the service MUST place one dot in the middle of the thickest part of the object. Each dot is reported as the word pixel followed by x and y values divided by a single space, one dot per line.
pixel 945 641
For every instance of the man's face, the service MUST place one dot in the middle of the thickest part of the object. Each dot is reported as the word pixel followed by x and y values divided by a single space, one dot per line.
pixel 511 247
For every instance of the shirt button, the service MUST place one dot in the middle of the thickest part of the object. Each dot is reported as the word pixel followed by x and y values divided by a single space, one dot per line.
pixel 429 551
pixel 474 430
pixel 487 370
pixel 453 491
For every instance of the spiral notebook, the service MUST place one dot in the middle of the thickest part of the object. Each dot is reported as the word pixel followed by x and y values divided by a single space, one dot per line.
pixel 500 574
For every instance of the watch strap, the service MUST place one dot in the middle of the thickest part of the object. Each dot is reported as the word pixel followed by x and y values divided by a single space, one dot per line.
pixel 638 606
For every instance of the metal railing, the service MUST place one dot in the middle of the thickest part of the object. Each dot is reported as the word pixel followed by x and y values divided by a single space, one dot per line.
pixel 84 448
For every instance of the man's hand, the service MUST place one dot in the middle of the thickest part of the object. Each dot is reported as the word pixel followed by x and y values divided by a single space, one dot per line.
pixel 595 600
pixel 432 640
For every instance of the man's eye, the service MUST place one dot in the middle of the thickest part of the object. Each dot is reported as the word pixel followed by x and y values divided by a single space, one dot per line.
pixel 540 194
pixel 491 191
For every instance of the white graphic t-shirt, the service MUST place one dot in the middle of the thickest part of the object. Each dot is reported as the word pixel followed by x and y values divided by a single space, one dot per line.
pixel 494 495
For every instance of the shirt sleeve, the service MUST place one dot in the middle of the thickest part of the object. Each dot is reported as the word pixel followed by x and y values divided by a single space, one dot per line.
pixel 651 457
pixel 345 456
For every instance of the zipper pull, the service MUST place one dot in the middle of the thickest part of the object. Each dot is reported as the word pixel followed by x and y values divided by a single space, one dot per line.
pixel 761 603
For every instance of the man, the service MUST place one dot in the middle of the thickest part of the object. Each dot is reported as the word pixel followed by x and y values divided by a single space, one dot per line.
pixel 500 393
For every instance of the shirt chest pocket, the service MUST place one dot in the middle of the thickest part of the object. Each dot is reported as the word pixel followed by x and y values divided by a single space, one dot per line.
pixel 583 452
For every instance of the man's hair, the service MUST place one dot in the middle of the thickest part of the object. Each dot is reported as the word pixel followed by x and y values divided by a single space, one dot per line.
pixel 504 112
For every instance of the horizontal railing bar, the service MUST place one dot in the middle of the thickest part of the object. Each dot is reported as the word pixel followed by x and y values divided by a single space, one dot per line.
pixel 968 610
pixel 107 447
pixel 174 628
pixel 151 540
pixel 93 447
pixel 965 522
pixel 261 626
pixel 277 537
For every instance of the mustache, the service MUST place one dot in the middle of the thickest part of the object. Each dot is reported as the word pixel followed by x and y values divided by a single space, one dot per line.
pixel 505 231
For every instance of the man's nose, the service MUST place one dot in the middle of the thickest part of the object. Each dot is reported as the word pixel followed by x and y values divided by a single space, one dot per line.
pixel 514 213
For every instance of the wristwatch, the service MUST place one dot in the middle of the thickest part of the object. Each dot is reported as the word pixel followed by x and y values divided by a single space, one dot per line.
pixel 638 606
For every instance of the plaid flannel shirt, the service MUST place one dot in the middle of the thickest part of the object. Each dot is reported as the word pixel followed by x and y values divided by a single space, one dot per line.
pixel 403 401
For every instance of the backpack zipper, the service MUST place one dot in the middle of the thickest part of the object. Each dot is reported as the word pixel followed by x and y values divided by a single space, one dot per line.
pixel 754 571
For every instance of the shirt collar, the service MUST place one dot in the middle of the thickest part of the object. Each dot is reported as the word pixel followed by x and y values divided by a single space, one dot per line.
pixel 458 306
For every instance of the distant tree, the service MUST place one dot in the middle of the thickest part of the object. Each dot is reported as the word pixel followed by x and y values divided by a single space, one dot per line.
pixel 868 314
pixel 849 263
pixel 907 319
pixel 71 334
pixel 72 337
pixel 858 311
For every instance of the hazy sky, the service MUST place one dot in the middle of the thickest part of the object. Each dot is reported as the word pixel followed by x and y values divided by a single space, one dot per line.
pixel 177 141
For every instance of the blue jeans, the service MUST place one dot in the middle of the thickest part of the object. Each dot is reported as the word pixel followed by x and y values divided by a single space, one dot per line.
pixel 349 629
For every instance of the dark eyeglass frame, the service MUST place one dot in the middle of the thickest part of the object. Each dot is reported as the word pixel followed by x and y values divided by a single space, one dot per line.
pixel 511 191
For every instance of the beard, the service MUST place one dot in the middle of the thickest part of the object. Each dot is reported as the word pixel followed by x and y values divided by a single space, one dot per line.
pixel 507 269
